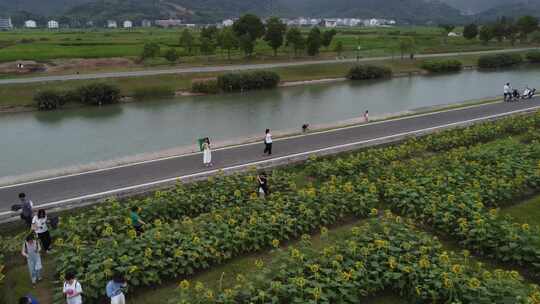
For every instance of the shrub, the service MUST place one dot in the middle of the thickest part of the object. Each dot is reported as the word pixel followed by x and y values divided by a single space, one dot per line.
pixel 499 60
pixel 98 94
pixel 533 56
pixel 364 72
pixel 156 91
pixel 234 82
pixel 206 87
pixel 440 66
pixel 50 99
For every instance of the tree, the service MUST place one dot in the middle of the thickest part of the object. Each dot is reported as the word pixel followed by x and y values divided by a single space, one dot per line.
pixel 275 32
pixel 314 41
pixel 486 33
pixel 535 37
pixel 210 32
pixel 248 27
pixel 228 41
pixel 470 31
pixel 295 40
pixel 150 50
pixel 186 40
pixel 499 29
pixel 207 46
pixel 407 45
pixel 327 37
pixel 246 44
pixel 446 29
pixel 511 33
pixel 527 25
pixel 339 48
pixel 171 55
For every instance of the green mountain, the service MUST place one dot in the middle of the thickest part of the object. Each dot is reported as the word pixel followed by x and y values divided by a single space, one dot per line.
pixel 480 6
pixel 511 11
pixel 411 11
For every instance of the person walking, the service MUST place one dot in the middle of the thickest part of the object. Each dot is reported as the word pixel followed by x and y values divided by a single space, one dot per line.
pixel 136 221
pixel 27 209
pixel 114 289
pixel 39 225
pixel 366 116
pixel 72 289
pixel 30 251
pixel 28 299
pixel 268 142
pixel 207 153
pixel 263 185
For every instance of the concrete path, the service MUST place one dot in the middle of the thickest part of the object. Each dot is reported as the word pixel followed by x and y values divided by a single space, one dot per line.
pixel 228 68
pixel 128 179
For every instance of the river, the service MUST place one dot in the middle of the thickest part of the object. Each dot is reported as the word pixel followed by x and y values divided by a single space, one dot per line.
pixel 37 141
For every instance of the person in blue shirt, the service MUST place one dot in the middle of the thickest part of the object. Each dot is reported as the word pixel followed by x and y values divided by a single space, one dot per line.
pixel 28 299
pixel 114 289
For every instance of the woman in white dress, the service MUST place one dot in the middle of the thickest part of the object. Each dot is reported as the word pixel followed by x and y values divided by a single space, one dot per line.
pixel 207 153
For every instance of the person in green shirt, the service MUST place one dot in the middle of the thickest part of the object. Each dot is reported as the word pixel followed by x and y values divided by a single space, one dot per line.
pixel 136 220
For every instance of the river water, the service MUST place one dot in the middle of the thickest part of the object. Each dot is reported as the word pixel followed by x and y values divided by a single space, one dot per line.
pixel 38 141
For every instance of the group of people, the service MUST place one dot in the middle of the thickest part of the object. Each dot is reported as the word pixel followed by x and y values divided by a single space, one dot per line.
pixel 207 150
pixel 39 240
pixel 511 94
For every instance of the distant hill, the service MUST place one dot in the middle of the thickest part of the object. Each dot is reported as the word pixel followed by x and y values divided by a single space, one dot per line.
pixel 411 11
pixel 480 6
pixel 511 11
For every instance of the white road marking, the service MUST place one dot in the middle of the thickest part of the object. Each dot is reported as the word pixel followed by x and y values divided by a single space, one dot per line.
pixel 168 180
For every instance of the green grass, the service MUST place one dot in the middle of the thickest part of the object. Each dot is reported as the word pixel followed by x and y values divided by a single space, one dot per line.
pixel 43 45
pixel 526 212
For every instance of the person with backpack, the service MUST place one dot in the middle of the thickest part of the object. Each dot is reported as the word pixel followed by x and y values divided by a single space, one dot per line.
pixel 30 251
pixel 27 212
pixel 28 299
pixel 114 289
pixel 39 225
pixel 72 289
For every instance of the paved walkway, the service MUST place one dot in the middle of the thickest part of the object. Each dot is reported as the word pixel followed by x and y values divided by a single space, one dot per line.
pixel 228 68
pixel 73 189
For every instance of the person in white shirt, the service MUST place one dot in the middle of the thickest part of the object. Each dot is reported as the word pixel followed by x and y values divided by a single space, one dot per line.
pixel 207 153
pixel 268 142
pixel 507 89
pixel 72 289
pixel 39 225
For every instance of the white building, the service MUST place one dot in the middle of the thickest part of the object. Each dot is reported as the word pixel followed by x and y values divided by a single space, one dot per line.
pixel 5 24
pixel 227 22
pixel 53 24
pixel 127 24
pixel 30 24
pixel 330 22
pixel 112 24
pixel 453 34
pixel 146 23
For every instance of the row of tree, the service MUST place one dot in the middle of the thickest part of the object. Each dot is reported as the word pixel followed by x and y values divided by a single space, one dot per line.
pixel 502 29
pixel 244 35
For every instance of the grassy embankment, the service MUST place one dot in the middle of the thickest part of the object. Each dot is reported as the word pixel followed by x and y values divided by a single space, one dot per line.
pixel 22 94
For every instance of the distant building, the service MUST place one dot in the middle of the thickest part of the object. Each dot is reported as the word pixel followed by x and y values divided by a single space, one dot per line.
pixel 146 23
pixel 112 24
pixel 30 24
pixel 127 24
pixel 330 22
pixel 53 24
pixel 5 24
pixel 453 34
pixel 168 22
pixel 227 22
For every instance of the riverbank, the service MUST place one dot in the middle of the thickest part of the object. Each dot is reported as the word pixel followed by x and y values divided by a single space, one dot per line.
pixel 19 97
